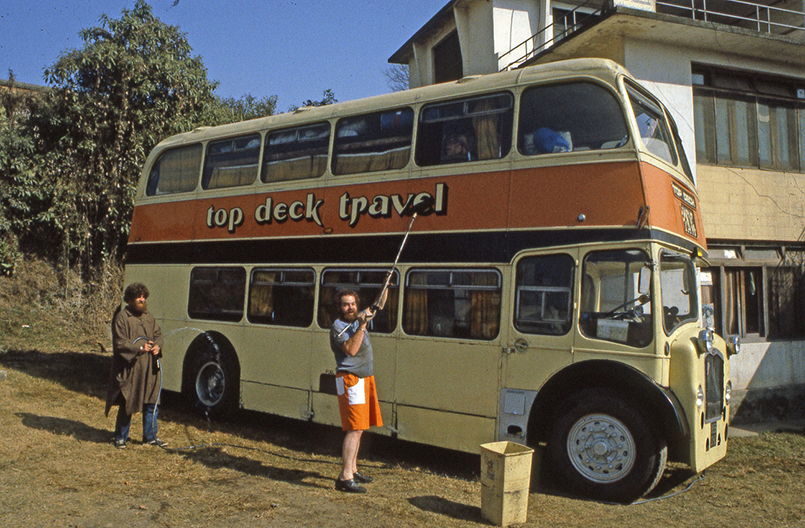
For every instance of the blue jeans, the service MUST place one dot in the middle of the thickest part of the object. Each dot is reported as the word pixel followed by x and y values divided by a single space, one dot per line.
pixel 123 423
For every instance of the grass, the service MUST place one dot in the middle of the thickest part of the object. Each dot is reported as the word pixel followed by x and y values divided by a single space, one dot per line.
pixel 58 467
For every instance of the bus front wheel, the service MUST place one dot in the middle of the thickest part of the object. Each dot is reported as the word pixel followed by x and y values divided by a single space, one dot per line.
pixel 602 447
pixel 212 382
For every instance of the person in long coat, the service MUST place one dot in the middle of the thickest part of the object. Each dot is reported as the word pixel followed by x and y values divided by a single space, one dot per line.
pixel 134 383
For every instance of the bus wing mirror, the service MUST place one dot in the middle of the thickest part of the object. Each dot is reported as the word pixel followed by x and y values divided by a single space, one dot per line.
pixel 644 282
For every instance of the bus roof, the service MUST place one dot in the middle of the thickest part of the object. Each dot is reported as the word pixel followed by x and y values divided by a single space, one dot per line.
pixel 604 69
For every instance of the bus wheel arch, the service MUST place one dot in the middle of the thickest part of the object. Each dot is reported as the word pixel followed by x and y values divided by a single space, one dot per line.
pixel 567 389
pixel 603 447
pixel 211 375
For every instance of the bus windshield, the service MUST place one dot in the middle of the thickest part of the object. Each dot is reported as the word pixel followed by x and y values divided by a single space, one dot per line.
pixel 616 304
pixel 678 290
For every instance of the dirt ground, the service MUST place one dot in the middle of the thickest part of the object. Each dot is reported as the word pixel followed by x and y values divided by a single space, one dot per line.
pixel 58 468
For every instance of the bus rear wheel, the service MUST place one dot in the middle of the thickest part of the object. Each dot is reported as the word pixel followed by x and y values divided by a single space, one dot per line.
pixel 212 381
pixel 604 448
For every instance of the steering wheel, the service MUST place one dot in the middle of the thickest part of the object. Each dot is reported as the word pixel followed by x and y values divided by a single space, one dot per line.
pixel 640 300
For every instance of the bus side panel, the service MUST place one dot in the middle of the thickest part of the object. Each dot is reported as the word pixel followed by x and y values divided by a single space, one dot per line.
pixel 444 429
pixel 673 206
pixel 282 401
pixel 607 194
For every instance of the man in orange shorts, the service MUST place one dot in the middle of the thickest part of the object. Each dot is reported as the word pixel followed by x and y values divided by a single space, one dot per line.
pixel 355 384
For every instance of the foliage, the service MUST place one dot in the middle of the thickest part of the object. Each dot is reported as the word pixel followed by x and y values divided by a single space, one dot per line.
pixel 327 97
pixel 133 83
pixel 249 107
pixel 22 195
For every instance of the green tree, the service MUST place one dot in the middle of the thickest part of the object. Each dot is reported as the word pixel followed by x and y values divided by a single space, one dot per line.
pixel 249 107
pixel 22 197
pixel 327 97
pixel 133 83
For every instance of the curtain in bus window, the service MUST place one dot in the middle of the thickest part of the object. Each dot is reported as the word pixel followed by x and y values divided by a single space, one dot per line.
pixel 261 295
pixel 296 154
pixel 373 142
pixel 465 130
pixel 231 162
pixel 175 171
pixel 486 132
pixel 485 307
pixel 416 305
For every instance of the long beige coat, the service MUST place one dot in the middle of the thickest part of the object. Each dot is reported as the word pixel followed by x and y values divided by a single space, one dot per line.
pixel 134 378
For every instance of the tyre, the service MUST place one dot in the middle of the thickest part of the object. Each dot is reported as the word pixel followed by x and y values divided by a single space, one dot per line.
pixel 212 380
pixel 602 447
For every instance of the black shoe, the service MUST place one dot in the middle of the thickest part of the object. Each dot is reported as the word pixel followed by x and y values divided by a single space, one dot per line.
pixel 349 486
pixel 120 444
pixel 366 479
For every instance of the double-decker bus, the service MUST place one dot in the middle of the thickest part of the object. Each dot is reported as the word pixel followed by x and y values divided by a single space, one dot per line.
pixel 547 293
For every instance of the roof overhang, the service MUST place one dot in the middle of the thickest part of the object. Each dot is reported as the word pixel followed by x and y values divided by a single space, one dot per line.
pixel 620 23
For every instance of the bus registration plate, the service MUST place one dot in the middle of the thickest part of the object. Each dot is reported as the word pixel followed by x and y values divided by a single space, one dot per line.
pixel 688 221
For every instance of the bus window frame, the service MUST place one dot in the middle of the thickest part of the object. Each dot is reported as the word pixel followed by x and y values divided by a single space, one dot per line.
pixel 327 305
pixel 409 288
pixel 260 320
pixel 218 269
pixel 207 178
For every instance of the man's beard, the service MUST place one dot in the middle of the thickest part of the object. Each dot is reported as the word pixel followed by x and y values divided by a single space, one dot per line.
pixel 349 317
pixel 139 307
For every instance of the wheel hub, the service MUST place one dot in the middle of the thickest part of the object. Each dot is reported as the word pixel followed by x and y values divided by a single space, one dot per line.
pixel 601 448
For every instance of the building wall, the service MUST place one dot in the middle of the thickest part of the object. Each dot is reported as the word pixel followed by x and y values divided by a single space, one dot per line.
pixel 740 205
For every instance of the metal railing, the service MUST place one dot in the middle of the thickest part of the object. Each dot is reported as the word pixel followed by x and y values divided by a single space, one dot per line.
pixel 749 15
pixel 737 13
pixel 561 28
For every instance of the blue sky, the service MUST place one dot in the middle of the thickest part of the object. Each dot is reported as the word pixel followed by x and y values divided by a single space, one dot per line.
pixel 292 49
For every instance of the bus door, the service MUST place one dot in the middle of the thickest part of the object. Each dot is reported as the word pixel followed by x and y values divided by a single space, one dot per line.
pixel 448 359
pixel 540 341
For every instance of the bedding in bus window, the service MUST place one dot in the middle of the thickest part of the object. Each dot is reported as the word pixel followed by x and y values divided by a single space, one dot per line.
pixel 613 307
pixel 296 153
pixel 544 296
pixel 217 293
pixel 231 162
pixel 281 297
pixel 465 130
pixel 452 303
pixel 373 142
pixel 569 117
pixel 368 284
pixel 653 129
pixel 176 170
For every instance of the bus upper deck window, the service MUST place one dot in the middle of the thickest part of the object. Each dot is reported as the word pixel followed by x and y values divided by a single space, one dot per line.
pixel 175 171
pixel 653 129
pixel 569 117
pixel 231 162
pixel 465 130
pixel 296 153
pixel 373 142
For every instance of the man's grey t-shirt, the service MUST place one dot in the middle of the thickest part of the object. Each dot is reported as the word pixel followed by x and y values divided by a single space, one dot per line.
pixel 361 363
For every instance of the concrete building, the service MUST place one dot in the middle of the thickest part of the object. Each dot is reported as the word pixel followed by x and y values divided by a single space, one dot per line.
pixel 733 74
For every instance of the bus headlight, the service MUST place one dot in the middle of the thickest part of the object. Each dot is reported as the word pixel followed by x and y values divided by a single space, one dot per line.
pixel 728 393
pixel 706 338
pixel 733 345
pixel 699 397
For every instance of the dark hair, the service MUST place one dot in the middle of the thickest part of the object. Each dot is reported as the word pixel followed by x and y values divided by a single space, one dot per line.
pixel 344 293
pixel 134 290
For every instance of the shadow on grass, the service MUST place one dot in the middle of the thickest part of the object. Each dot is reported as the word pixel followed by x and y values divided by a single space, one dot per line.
pixel 85 373
pixel 448 508
pixel 64 427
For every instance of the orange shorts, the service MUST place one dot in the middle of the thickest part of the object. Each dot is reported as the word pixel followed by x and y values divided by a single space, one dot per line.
pixel 357 400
